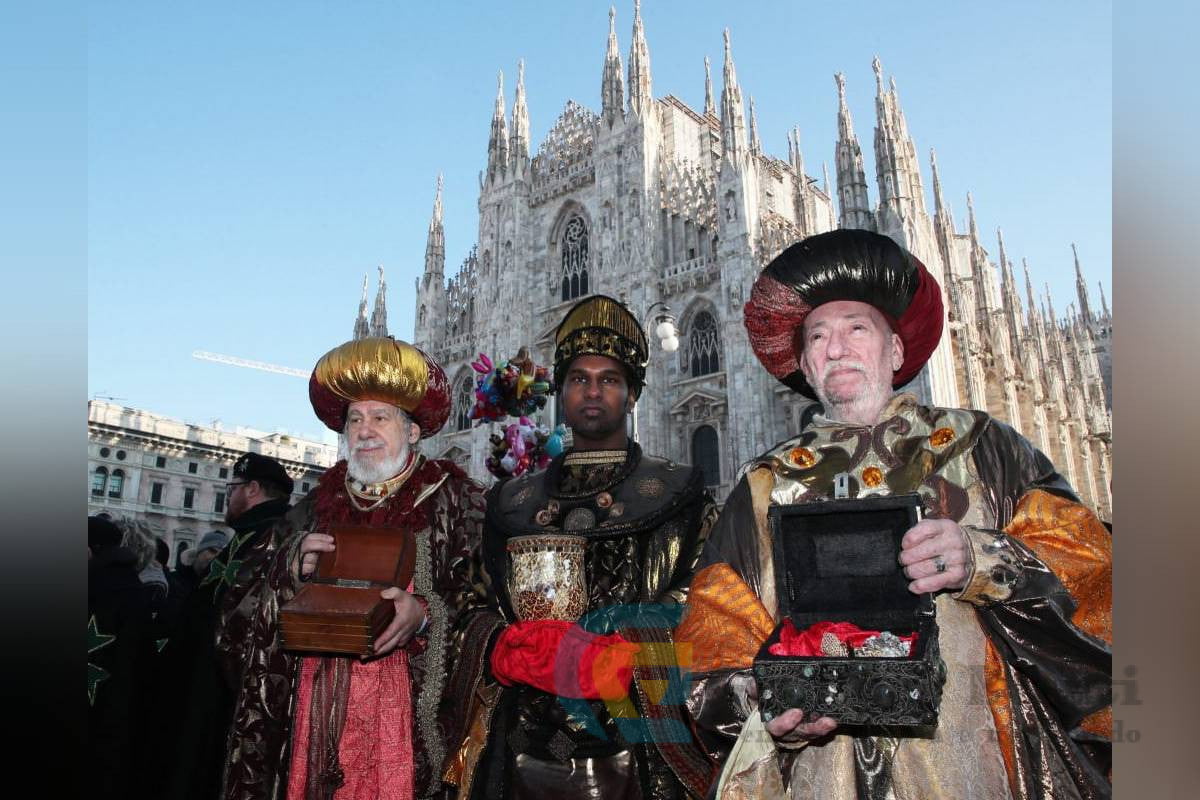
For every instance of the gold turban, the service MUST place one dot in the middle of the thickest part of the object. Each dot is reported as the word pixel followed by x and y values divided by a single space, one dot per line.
pixel 602 326
pixel 382 369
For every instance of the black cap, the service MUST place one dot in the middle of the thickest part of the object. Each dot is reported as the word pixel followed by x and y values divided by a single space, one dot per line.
pixel 102 533
pixel 255 467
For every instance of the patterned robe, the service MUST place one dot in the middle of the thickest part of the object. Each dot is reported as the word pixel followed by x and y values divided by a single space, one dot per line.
pixel 445 508
pixel 645 520
pixel 1026 707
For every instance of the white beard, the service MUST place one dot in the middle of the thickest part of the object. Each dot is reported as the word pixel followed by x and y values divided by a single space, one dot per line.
pixel 371 471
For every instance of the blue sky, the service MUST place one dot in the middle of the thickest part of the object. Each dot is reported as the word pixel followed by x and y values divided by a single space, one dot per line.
pixel 248 163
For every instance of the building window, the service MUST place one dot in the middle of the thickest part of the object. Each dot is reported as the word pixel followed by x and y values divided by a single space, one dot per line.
pixel 116 483
pixel 574 259
pixel 306 487
pixel 705 454
pixel 189 498
pixel 160 462
pixel 156 493
pixel 192 467
pixel 120 455
pixel 99 481
pixel 104 451
pixel 219 503
pixel 463 403
pixel 704 346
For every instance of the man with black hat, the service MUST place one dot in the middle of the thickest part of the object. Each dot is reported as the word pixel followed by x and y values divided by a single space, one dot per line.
pixel 563 708
pixel 207 648
pixel 316 725
pixel 1020 571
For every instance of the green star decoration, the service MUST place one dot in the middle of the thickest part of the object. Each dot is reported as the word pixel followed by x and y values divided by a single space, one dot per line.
pixel 225 573
pixel 96 640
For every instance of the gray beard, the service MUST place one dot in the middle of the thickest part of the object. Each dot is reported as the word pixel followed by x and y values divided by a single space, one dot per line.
pixel 375 471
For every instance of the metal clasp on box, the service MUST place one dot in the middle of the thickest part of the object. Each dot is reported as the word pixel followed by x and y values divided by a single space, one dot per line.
pixel 841 486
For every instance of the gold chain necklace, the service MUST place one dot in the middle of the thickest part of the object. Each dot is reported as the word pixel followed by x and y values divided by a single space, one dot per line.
pixel 378 493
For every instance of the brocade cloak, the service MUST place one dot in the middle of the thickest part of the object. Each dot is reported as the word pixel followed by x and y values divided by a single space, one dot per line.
pixel 445 509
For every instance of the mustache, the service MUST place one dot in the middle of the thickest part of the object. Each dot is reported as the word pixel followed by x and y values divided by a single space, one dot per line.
pixel 830 366
pixel 367 443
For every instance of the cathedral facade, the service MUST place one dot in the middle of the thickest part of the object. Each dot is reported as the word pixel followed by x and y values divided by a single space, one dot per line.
pixel 666 207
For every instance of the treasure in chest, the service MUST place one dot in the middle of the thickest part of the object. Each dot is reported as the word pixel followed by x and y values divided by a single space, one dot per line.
pixel 339 610
pixel 854 644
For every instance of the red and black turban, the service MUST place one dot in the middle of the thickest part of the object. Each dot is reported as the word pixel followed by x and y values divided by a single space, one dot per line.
pixel 842 265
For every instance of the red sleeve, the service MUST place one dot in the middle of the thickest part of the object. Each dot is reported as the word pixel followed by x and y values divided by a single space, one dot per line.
pixel 561 658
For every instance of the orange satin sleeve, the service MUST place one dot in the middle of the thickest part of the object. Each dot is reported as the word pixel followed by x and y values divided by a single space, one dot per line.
pixel 726 623
pixel 1075 545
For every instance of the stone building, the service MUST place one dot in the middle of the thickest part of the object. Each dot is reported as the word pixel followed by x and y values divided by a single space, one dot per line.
pixel 173 474
pixel 652 201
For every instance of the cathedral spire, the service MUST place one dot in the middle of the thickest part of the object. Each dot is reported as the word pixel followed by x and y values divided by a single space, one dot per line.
pixel 612 87
pixel 498 142
pixel 733 115
pixel 797 157
pixel 1050 307
pixel 898 175
pixel 851 177
pixel 797 162
pixel 825 173
pixel 1030 303
pixel 1085 306
pixel 435 242
pixel 640 97
pixel 755 142
pixel 979 270
pixel 361 329
pixel 938 203
pixel 1011 302
pixel 710 108
pixel 379 314
pixel 519 142
pixel 1103 301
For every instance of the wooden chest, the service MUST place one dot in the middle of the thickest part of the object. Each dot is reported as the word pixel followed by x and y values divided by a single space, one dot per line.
pixel 339 609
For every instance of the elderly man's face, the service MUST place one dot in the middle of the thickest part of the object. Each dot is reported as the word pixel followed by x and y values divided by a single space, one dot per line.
pixel 378 437
pixel 849 356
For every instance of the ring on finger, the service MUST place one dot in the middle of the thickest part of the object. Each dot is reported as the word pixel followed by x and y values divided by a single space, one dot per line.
pixel 939 564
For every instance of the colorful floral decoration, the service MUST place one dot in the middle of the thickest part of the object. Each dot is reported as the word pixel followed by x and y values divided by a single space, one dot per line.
pixel 515 388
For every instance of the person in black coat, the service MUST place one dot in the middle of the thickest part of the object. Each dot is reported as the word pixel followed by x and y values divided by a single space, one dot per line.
pixel 203 657
pixel 121 661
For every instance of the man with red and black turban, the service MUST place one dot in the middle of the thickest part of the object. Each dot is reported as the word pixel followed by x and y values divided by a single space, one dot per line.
pixel 331 726
pixel 1020 571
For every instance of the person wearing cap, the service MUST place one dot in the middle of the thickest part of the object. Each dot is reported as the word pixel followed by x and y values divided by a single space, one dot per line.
pixel 1021 571
pixel 338 726
pixel 558 708
pixel 207 648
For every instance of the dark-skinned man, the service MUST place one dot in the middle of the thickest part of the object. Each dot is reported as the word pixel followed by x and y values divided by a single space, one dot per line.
pixel 554 705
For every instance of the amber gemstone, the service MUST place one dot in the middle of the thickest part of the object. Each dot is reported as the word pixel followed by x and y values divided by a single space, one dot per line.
pixel 872 476
pixel 941 437
pixel 803 457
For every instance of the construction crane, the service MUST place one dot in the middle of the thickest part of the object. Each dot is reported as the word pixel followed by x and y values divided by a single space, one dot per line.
pixel 204 355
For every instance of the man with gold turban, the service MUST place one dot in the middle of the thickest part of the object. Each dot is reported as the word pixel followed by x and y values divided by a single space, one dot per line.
pixel 1021 572
pixel 325 726
pixel 586 706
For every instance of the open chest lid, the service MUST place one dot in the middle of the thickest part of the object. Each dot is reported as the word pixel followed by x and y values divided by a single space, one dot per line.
pixel 838 560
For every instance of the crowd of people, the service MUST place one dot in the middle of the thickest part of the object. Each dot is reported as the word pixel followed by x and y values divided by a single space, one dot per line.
pixel 647 690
